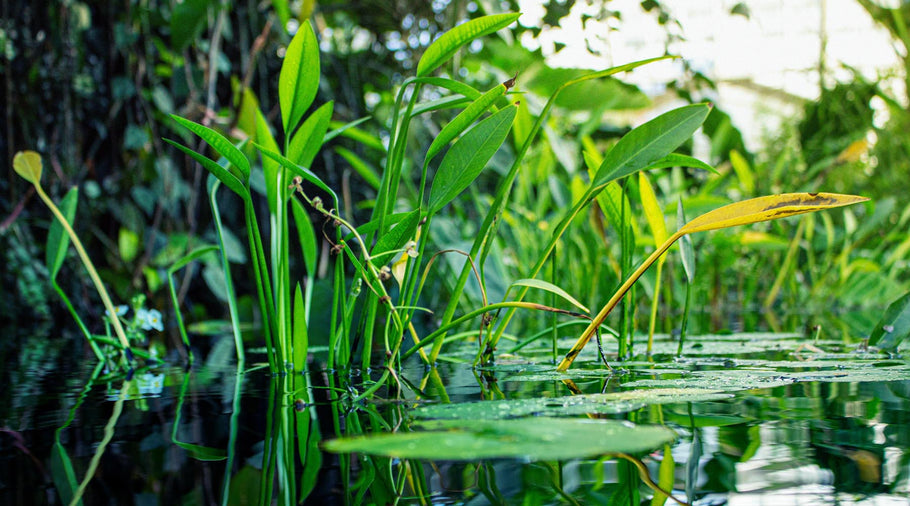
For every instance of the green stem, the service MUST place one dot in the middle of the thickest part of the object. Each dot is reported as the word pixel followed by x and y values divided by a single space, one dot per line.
pixel 93 274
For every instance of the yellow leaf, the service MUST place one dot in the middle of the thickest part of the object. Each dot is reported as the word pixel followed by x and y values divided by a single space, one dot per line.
pixel 652 209
pixel 28 165
pixel 767 208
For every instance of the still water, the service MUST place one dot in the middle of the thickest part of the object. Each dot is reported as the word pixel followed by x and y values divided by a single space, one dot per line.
pixel 753 420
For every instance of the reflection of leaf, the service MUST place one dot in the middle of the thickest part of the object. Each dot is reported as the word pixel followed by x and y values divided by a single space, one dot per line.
pixel 894 326
pixel 536 438
pixel 204 453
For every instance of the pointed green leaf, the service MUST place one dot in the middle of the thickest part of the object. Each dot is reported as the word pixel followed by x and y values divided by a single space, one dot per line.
pixel 468 156
pixel 221 145
pixel 298 80
pixel 452 85
pixel 443 48
pixel 894 326
pixel 305 143
pixel 743 171
pixel 665 477
pixel 550 287
pixel 297 170
pixel 306 235
pixel 203 453
pixel 678 160
pixel 191 256
pixel 351 131
pixel 300 337
pixel 463 120
pixel 57 240
pixel 28 165
pixel 366 171
pixel 395 239
pixel 650 142
pixel 223 175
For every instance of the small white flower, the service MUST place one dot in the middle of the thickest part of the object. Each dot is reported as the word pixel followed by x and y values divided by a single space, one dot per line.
pixel 121 310
pixel 149 319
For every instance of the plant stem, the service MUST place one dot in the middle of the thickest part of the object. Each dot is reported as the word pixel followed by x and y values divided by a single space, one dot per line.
pixel 93 274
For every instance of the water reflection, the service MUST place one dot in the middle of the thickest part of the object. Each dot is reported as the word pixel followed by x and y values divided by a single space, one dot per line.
pixel 222 436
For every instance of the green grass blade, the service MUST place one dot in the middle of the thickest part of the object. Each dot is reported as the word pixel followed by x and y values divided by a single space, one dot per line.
pixel 298 80
pixel 178 316
pixel 221 145
pixel 299 337
pixel 213 185
pixel 468 156
pixel 441 50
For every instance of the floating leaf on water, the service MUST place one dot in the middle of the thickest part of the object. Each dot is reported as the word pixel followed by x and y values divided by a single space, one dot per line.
pixel 609 403
pixel 536 438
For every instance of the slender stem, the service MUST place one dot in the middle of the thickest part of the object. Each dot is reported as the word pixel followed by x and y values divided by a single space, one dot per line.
pixel 93 274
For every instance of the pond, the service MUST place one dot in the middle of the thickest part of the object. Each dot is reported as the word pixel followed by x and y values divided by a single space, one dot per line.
pixel 738 419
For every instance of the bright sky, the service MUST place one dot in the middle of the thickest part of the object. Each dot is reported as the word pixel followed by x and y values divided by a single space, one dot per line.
pixel 778 47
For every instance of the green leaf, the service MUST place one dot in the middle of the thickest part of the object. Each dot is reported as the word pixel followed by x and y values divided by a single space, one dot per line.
pixel 665 477
pixel 550 287
pixel 187 20
pixel 299 171
pixel 678 160
pixel 351 131
pixel 305 143
pixel 395 239
pixel 57 239
pixel 306 235
pixel 686 250
pixel 452 85
pixel 127 244
pixel 463 120
pixel 221 145
pixel 223 175
pixel 650 142
pixel 299 330
pixel 535 438
pixel 894 326
pixel 63 474
pixel 298 80
pixel 203 453
pixel 743 171
pixel 443 48
pixel 367 172
pixel 191 256
pixel 468 156
pixel 28 165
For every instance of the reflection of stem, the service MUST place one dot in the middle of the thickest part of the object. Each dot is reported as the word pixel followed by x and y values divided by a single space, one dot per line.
pixel 86 261
pixel 108 435
pixel 232 438
pixel 646 477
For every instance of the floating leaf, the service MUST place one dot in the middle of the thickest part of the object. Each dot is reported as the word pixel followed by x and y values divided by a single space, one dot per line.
pixel 28 165
pixel 536 438
pixel 550 287
pixel 894 326
pixel 299 77
pixel 468 156
pixel 441 50
pixel 608 403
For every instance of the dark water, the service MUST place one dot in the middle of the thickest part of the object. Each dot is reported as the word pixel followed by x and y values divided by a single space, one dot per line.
pixel 819 429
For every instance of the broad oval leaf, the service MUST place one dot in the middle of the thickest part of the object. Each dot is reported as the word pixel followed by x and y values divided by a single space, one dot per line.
pixel 221 145
pixel 298 80
pixel 650 142
pixel 58 240
pixel 653 213
pixel 550 287
pixel 894 326
pixel 305 143
pixel 463 120
pixel 468 156
pixel 766 208
pixel 441 50
pixel 535 438
pixel 28 165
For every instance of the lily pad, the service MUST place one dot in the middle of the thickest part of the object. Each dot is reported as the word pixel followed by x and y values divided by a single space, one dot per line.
pixel 535 438
pixel 605 404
